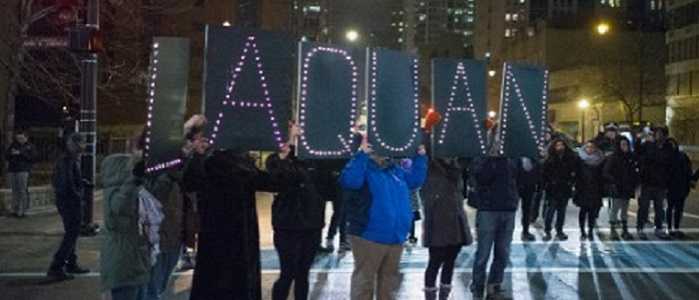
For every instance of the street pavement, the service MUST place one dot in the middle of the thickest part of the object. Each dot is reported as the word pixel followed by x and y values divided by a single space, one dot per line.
pixel 604 269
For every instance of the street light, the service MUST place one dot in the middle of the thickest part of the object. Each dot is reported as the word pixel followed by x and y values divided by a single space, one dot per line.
pixel 352 35
pixel 583 104
pixel 226 24
pixel 603 28
pixel 492 114
pixel 492 73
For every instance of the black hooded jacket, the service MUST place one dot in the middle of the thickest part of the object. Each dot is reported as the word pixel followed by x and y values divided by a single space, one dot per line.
pixel 67 178
pixel 622 174
pixel 559 172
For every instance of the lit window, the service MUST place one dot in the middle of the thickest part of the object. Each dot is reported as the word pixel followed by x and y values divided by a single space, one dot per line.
pixel 508 17
pixel 508 33
pixel 400 40
pixel 515 17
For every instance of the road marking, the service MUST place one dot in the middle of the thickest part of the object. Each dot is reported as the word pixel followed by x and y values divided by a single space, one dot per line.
pixel 463 270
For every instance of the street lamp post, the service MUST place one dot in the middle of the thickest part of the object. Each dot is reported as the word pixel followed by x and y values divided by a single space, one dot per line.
pixel 583 104
pixel 352 36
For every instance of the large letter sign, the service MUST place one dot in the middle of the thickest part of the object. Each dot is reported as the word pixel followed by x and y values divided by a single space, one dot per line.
pixel 523 110
pixel 458 94
pixel 330 83
pixel 167 98
pixel 392 93
pixel 247 88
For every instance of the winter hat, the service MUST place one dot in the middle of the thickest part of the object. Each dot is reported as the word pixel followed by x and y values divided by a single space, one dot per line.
pixel 194 125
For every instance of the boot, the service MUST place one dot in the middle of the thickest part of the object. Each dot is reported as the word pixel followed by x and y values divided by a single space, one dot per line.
pixel 583 234
pixel 444 291
pixel 625 234
pixel 431 293
pixel 591 234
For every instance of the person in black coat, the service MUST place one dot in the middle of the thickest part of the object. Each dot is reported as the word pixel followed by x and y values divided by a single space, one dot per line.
pixel 621 174
pixel 20 157
pixel 679 188
pixel 588 188
pixel 228 256
pixel 559 172
pixel 655 156
pixel 297 219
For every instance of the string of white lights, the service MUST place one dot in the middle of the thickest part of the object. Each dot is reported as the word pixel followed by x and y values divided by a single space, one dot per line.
pixel 372 107
pixel 304 99
pixel 253 52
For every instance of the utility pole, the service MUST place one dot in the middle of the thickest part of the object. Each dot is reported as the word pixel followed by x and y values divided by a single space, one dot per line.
pixel 88 119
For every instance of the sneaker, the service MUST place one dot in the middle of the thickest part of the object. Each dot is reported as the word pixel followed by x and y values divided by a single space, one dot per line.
pixel 679 235
pixel 413 240
pixel 495 292
pixel 562 236
pixel 591 237
pixel 547 236
pixel 661 234
pixel 528 237
pixel 59 275
pixel 626 235
pixel 76 269
pixel 583 237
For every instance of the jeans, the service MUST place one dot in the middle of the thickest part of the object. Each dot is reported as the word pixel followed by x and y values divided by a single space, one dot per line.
pixel 160 273
pixel 129 292
pixel 441 258
pixel 338 222
pixel 657 196
pixel 618 211
pixel 19 183
pixel 555 207
pixel 675 209
pixel 375 268
pixel 537 198
pixel 527 196
pixel 71 215
pixel 495 230
pixel 296 250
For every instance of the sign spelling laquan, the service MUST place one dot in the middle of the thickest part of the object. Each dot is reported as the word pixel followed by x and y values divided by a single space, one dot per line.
pixel 247 89
pixel 458 94
pixel 393 102
pixel 523 110
pixel 167 98
pixel 330 85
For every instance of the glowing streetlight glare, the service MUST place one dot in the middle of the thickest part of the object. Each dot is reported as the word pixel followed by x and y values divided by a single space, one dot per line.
pixel 603 28
pixel 492 73
pixel 583 104
pixel 492 114
pixel 226 23
pixel 352 35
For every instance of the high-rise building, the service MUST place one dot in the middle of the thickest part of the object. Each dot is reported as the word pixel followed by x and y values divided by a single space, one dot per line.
pixel 437 20
pixel 682 70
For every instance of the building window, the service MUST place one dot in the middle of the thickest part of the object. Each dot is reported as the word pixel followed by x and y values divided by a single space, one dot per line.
pixel 508 32
pixel 508 17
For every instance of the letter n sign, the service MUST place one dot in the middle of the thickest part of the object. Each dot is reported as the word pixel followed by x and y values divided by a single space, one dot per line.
pixel 458 94
pixel 393 102
pixel 247 89
pixel 523 110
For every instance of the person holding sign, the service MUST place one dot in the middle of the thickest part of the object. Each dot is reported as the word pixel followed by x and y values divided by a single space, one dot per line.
pixel 297 219
pixel 380 219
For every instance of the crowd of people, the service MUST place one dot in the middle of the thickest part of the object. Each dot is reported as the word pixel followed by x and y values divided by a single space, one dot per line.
pixel 208 203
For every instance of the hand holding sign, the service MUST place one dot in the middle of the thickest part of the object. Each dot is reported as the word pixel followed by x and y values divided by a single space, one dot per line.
pixel 366 147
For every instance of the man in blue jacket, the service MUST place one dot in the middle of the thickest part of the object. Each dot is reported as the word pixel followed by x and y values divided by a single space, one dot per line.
pixel 380 219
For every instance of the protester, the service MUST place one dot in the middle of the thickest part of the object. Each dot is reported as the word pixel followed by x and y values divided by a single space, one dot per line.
pixel 20 157
pixel 559 172
pixel 495 198
pixel 608 140
pixel 125 258
pixel 166 187
pixel 326 176
pixel 655 155
pixel 228 254
pixel 621 172
pixel 68 186
pixel 679 188
pixel 297 219
pixel 528 179
pixel 588 188
pixel 414 205
pixel 379 222
pixel 445 228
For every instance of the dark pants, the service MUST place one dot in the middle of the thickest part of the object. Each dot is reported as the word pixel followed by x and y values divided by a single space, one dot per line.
pixel 296 250
pixel 587 215
pixel 441 258
pixel 557 207
pixel 129 292
pixel 537 199
pixel 70 212
pixel 495 230
pixel 527 195
pixel 648 195
pixel 675 209
pixel 338 222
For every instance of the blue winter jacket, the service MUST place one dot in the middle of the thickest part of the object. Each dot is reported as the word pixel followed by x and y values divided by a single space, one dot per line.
pixel 382 214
